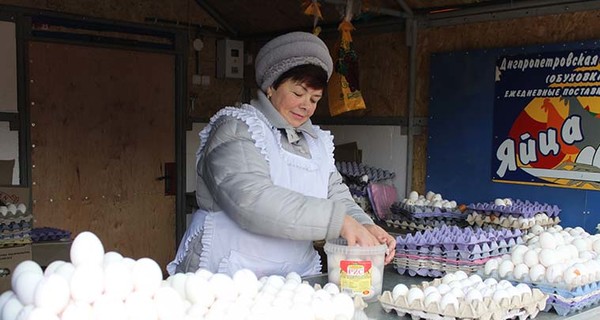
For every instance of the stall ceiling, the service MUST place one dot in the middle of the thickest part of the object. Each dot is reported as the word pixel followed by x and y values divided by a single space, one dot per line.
pixel 251 18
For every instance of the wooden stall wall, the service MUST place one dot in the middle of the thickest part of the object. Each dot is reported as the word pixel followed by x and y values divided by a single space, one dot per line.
pixel 566 27
pixel 102 127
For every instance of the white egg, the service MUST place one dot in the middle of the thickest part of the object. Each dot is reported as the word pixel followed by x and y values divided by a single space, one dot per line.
pixel 503 284
pixel 147 275
pixel 224 287
pixel 140 306
pixel 87 282
pixel 433 297
pixel 198 291
pixel 25 266
pixel 169 304
pixel 400 290
pixel 530 258
pixel 473 295
pixel 490 266
pixel 520 271
pixel 52 293
pixel 12 209
pixel 52 267
pixel 523 288
pixel 460 275
pixel 11 309
pixel 429 195
pixel 457 292
pixel 443 288
pixel 596 246
pixel 505 268
pixel 196 311
pixel 323 309
pixel 4 297
pixel 111 257
pixel 448 300
pixel 343 305
pixel 21 207
pixel 554 273
pixel 109 308
pixel 426 290
pixel 413 195
pixel 25 313
pixel 130 263
pixel 331 288
pixel 518 253
pixel 414 294
pixel 25 284
pixel 499 295
pixel 548 257
pixel 537 272
pixel 290 276
pixel 3 211
pixel 450 277
pixel 489 282
pixel 87 248
pixel 118 280
pixel 508 201
pixel 247 282
pixel 178 282
pixel 499 202
pixel 79 310
pixel 547 241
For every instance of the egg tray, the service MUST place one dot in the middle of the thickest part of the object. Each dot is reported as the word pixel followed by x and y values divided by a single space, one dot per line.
pixel 19 217
pixel 477 219
pixel 49 234
pixel 412 226
pixel 431 272
pixel 438 253
pixel 564 308
pixel 21 225
pixel 454 238
pixel 560 289
pixel 525 306
pixel 425 211
pixel 358 170
pixel 518 209
pixel 15 241
pixel 450 220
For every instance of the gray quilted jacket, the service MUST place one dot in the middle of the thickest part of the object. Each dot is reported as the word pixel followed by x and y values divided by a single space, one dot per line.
pixel 233 176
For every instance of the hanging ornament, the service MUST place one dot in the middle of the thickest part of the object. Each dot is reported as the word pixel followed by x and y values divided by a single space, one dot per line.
pixel 313 8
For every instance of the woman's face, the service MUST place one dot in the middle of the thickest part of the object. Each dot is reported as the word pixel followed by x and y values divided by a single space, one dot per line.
pixel 295 101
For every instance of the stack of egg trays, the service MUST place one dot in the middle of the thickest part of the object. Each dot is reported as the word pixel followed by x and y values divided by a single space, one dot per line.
pixel 15 228
pixel 528 306
pixel 474 218
pixel 358 170
pixel 466 249
pixel 411 225
pixel 518 209
pixel 49 234
pixel 415 211
pixel 564 299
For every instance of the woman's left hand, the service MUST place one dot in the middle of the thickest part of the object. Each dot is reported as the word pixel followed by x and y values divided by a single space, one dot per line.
pixel 384 238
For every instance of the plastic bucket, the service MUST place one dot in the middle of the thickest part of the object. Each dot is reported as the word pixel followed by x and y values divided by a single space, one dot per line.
pixel 358 271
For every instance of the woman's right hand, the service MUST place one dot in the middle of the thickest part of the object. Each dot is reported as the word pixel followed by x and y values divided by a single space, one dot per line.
pixel 356 234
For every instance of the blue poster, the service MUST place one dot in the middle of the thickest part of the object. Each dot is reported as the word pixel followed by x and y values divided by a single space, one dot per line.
pixel 547 119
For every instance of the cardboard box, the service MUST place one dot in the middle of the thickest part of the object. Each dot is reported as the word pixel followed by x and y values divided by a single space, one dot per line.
pixel 10 258
pixel 46 252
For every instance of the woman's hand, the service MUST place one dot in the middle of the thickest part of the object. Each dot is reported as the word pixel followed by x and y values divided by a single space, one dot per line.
pixel 356 234
pixel 385 238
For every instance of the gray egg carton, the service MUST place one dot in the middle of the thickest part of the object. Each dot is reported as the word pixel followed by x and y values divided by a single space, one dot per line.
pixel 518 208
pixel 432 269
pixel 411 225
pixel 358 170
pixel 476 253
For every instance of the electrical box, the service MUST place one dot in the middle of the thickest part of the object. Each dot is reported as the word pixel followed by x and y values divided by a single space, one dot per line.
pixel 230 59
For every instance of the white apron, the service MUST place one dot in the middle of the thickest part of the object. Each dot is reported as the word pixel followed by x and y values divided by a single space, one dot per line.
pixel 226 247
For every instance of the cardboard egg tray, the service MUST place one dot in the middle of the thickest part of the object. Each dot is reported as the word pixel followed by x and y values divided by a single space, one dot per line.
pixel 357 170
pixel 477 219
pixel 565 306
pixel 449 238
pixel 427 268
pixel 415 211
pixel 15 226
pixel 518 209
pixel 412 226
pixel 49 234
pixel 16 218
pixel 525 306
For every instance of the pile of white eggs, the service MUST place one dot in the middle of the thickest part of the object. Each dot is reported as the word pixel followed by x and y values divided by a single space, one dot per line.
pixel 563 258
pixel 431 199
pixel 12 209
pixel 457 289
pixel 107 286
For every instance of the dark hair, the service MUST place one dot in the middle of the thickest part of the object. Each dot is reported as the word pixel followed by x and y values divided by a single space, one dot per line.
pixel 314 76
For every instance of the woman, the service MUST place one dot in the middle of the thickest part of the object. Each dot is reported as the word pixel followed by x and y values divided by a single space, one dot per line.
pixel 267 183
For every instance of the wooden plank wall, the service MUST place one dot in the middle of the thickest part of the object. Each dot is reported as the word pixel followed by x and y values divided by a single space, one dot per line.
pixel 102 128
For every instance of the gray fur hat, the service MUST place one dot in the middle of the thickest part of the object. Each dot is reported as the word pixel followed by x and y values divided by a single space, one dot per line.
pixel 287 51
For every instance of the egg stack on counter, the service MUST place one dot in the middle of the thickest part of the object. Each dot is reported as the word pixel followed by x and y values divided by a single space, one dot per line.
pixel 421 212
pixel 564 263
pixel 15 225
pixel 450 248
pixel 515 214
pixel 107 286
pixel 458 295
